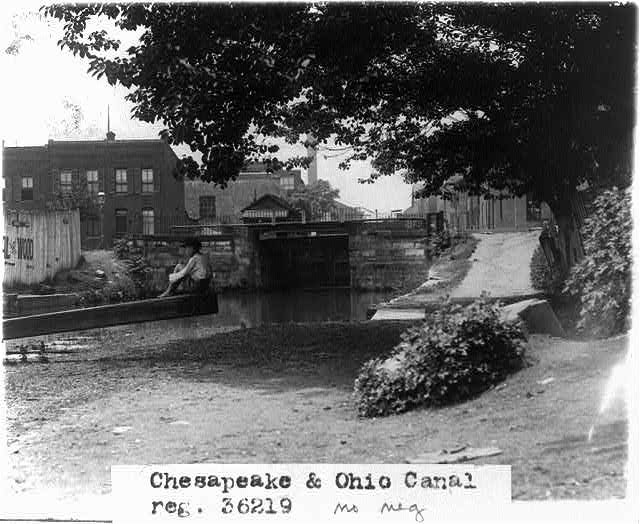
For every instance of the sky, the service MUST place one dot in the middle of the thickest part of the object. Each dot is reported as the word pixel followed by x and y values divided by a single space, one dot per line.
pixel 47 94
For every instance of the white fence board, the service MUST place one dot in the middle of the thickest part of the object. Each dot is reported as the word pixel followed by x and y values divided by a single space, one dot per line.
pixel 38 244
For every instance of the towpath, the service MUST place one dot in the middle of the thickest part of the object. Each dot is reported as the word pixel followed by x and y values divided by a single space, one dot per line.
pixel 500 265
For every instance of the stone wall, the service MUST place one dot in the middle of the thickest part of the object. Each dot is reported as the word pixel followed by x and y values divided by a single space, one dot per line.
pixel 232 256
pixel 395 260
pixel 379 258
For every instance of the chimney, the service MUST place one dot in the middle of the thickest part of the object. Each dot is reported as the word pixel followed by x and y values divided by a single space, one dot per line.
pixel 312 170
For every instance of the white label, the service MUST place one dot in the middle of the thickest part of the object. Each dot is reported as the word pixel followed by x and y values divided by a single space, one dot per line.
pixel 307 492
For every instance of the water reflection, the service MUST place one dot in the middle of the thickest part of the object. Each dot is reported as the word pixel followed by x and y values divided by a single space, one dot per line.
pixel 253 309
pixel 236 309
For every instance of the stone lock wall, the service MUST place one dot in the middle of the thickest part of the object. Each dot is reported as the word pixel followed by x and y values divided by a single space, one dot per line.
pixel 379 259
pixel 232 258
pixel 396 260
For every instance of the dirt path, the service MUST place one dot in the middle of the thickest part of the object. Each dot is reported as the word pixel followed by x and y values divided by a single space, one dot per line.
pixel 447 271
pixel 500 265
pixel 283 394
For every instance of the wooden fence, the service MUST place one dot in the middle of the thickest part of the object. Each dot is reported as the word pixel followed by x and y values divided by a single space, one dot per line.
pixel 38 244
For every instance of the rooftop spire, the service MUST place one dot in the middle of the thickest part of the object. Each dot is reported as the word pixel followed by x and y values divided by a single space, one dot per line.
pixel 110 136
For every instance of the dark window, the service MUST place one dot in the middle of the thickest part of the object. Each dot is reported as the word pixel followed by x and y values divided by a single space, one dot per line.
pixel 92 226
pixel 27 188
pixel 92 182
pixel 147 180
pixel 121 181
pixel 501 208
pixel 121 220
pixel 207 207
pixel 65 182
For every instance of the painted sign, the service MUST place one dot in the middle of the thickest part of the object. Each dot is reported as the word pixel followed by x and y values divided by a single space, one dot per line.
pixel 20 248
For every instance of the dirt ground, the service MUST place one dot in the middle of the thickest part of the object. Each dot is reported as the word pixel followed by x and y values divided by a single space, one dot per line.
pixel 185 393
pixel 497 255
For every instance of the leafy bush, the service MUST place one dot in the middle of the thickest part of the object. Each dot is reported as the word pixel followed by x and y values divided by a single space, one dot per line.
pixel 457 353
pixel 543 277
pixel 437 243
pixel 602 279
pixel 111 293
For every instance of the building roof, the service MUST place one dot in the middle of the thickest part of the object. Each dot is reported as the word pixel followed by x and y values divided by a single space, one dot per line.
pixel 254 167
pixel 260 170
pixel 93 141
pixel 128 142
pixel 341 205
pixel 269 201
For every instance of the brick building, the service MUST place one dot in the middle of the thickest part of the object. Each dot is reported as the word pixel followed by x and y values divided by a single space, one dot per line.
pixel 207 202
pixel 135 176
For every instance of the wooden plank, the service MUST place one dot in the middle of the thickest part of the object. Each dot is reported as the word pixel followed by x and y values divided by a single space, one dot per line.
pixel 109 315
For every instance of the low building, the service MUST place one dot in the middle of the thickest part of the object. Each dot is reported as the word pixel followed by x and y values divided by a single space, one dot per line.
pixel 208 203
pixel 269 209
pixel 120 186
pixel 463 210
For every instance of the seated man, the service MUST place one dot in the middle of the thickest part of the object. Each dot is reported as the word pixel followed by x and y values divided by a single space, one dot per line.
pixel 195 276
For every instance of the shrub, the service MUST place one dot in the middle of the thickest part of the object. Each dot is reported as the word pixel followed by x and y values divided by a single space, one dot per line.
pixel 543 277
pixel 457 353
pixel 602 279
pixel 437 243
pixel 137 269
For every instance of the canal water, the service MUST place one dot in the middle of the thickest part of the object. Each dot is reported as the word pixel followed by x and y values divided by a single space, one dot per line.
pixel 317 305
pixel 236 310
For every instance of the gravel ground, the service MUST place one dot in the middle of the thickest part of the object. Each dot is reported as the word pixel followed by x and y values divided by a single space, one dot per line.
pixel 282 393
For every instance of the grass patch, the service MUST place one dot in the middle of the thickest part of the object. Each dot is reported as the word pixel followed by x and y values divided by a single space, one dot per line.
pixel 450 267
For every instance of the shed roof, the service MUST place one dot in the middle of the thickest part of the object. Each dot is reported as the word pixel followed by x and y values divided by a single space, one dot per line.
pixel 269 201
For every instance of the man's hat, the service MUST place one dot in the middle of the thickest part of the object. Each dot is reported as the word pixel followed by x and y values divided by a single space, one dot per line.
pixel 192 242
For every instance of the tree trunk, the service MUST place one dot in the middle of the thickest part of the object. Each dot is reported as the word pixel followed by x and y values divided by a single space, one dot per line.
pixel 566 242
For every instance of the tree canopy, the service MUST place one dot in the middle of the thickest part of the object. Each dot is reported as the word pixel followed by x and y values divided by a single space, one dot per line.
pixel 316 200
pixel 532 97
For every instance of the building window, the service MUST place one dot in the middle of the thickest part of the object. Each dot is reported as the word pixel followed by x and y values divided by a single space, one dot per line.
pixel 287 183
pixel 65 182
pixel 147 221
pixel 92 182
pixel 147 180
pixel 121 221
pixel 92 226
pixel 121 181
pixel 207 207
pixel 27 188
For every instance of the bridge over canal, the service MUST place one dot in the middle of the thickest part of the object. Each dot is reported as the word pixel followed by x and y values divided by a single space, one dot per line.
pixel 363 254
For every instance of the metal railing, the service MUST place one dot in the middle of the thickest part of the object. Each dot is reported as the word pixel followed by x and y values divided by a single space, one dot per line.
pixel 183 225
